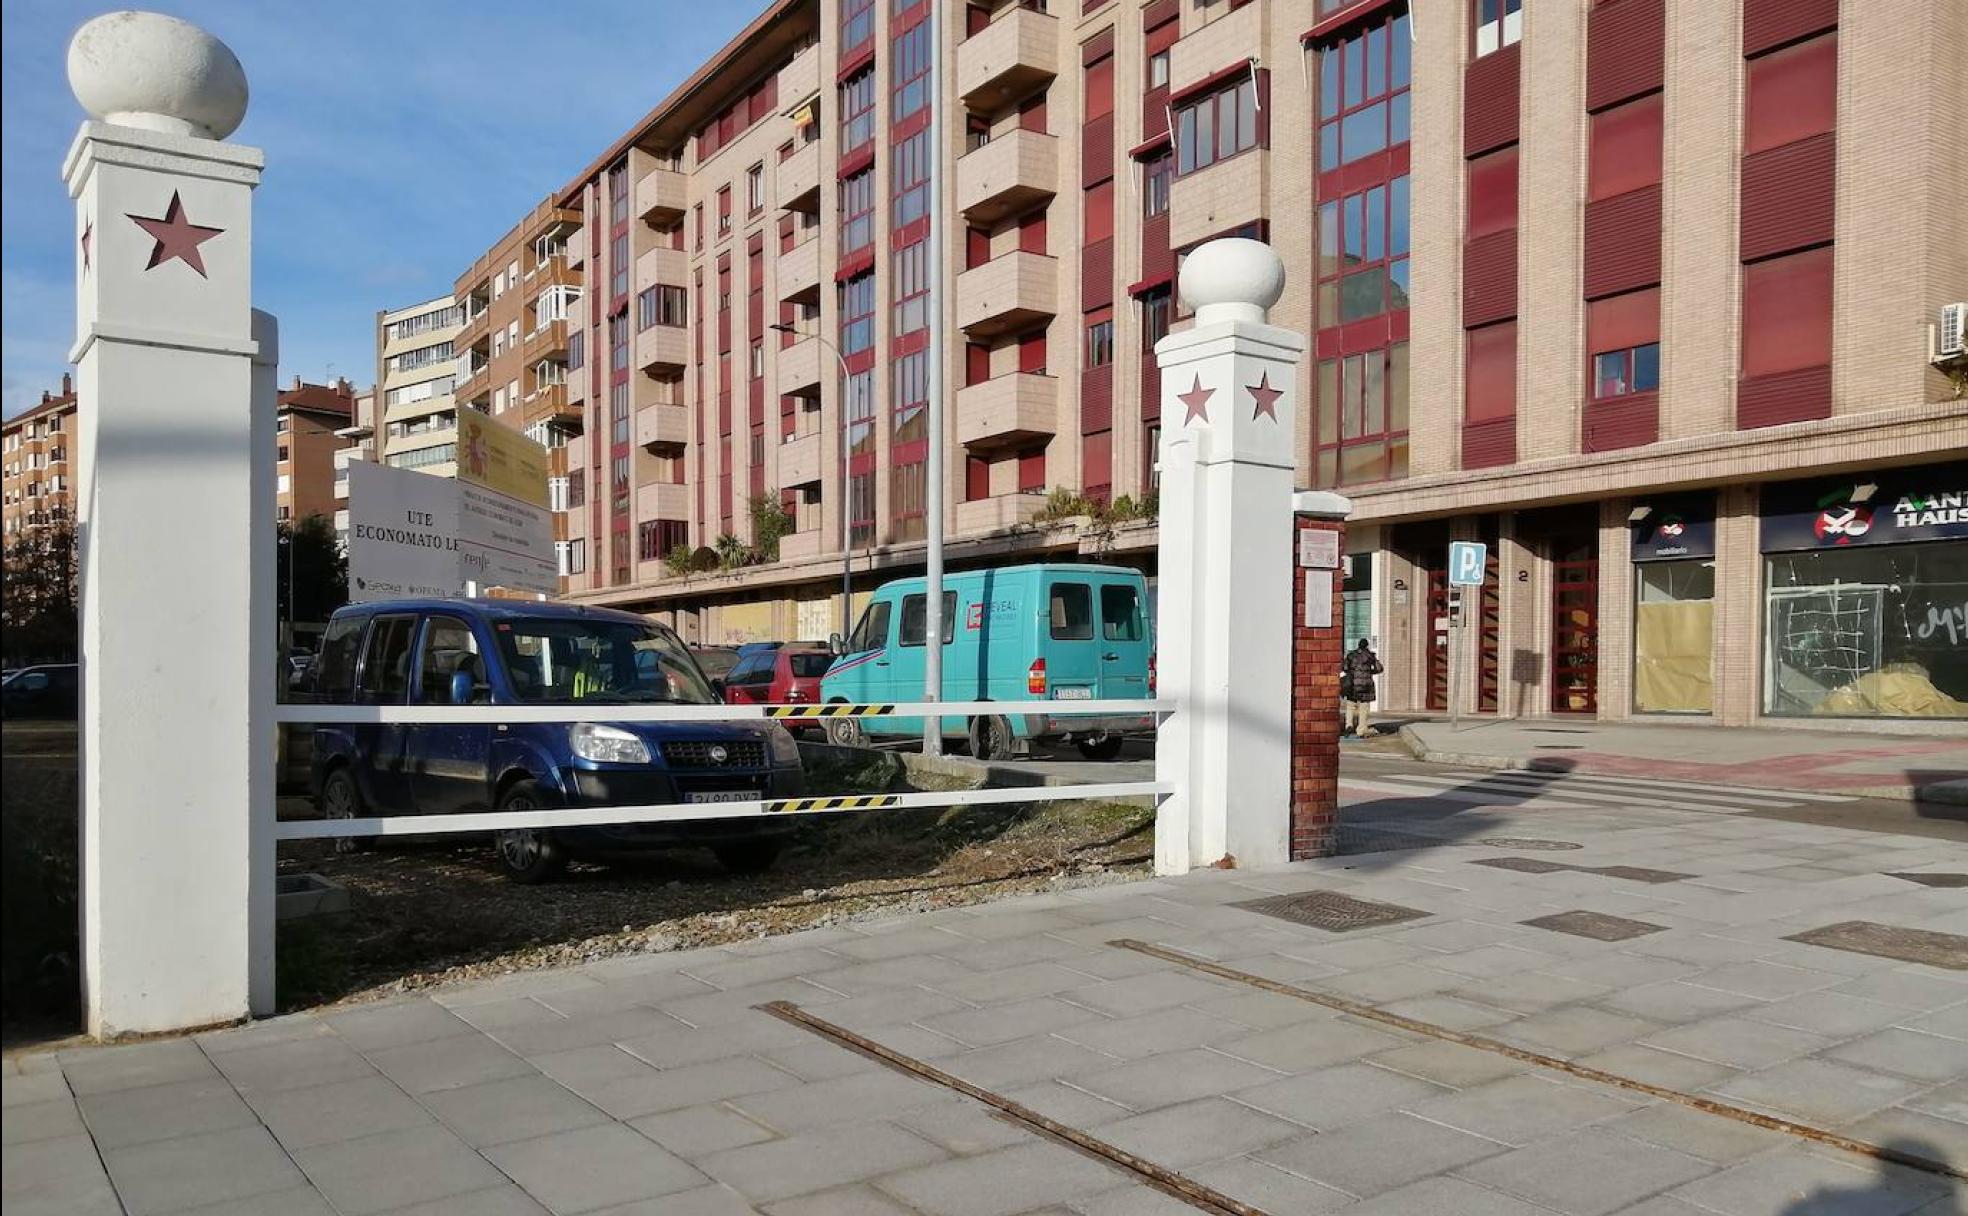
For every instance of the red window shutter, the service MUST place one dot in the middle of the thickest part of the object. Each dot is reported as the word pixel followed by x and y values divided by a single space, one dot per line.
pixel 1793 94
pixel 1492 373
pixel 1625 55
pixel 1493 193
pixel 976 17
pixel 1032 233
pixel 1032 115
pixel 1099 89
pixel 977 478
pixel 1623 321
pixel 1787 313
pixel 1097 461
pixel 977 363
pixel 1163 36
pixel 977 247
pixel 1099 212
pixel 1032 470
pixel 1032 352
pixel 1626 148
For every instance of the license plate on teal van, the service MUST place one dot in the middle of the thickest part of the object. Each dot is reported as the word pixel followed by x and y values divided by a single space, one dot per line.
pixel 1072 694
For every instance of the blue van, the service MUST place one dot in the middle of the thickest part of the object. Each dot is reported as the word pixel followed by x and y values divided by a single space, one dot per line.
pixel 514 652
pixel 1041 633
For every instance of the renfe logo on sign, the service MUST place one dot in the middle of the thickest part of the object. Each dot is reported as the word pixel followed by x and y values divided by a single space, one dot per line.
pixel 1466 561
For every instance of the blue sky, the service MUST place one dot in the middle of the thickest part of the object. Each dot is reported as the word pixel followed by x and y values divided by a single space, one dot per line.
pixel 401 140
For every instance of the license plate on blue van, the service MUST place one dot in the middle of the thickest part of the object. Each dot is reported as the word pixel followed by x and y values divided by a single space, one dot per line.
pixel 1072 694
pixel 720 796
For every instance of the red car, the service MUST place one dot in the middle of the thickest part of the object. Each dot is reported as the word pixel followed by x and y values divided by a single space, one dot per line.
pixel 779 673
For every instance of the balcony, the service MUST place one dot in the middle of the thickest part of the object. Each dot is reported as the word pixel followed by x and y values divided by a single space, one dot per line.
pixel 799 271
pixel 799 176
pixel 662 500
pixel 1012 174
pixel 576 387
pixel 799 367
pixel 1226 195
pixel 1010 409
pixel 475 330
pixel 547 342
pixel 668 267
pixel 988 515
pixel 662 426
pixel 1015 54
pixel 549 401
pixel 470 377
pixel 662 349
pixel 1202 52
pixel 800 546
pixel 799 460
pixel 800 79
pixel 661 197
pixel 1008 292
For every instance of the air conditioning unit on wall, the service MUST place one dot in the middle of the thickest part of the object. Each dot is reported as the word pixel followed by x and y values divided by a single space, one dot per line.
pixel 1951 335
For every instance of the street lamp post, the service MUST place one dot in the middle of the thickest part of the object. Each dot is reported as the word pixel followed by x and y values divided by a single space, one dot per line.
pixel 847 550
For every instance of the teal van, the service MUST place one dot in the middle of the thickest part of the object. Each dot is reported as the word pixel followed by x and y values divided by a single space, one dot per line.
pixel 1018 634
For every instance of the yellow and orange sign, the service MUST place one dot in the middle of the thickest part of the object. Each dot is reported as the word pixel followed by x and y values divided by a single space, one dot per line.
pixel 493 455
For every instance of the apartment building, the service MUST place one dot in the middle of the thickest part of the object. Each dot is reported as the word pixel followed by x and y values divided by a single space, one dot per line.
pixel 37 487
pixel 417 368
pixel 357 442
pixel 1639 292
pixel 520 332
pixel 307 422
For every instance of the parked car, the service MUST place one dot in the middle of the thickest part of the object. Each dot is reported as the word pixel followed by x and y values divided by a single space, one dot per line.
pixel 716 661
pixel 44 690
pixel 511 652
pixel 778 673
pixel 1018 634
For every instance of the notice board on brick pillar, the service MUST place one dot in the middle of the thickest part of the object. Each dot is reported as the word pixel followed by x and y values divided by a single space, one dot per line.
pixel 1318 643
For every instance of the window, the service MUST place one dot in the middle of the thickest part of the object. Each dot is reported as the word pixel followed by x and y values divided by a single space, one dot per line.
pixel 282 456
pixel 1216 127
pixel 1626 148
pixel 1792 94
pixel 1072 612
pixel 1120 614
pixel 333 673
pixel 857 23
pixel 1155 177
pixel 618 266
pixel 663 304
pixel 1787 313
pixel 724 210
pixel 911 397
pixel 910 179
pixel 857 111
pixel 556 493
pixel 755 189
pixel 1499 23
pixel 1099 203
pixel 910 71
pixel 1493 193
pixel 1360 419
pixel 618 341
pixel 449 647
pixel 1158 69
pixel 857 208
pixel 915 619
pixel 1100 338
pixel 1491 372
pixel 871 632
pixel 1623 333
pixel 1363 93
pixel 386 663
pixel 1363 254
pixel 910 270
pixel 758 358
pixel 857 314
pixel 1157 311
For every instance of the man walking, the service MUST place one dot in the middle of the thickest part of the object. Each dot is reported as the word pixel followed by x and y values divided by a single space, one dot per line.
pixel 1356 688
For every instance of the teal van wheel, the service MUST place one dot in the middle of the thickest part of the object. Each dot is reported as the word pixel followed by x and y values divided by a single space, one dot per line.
pixel 990 738
pixel 846 732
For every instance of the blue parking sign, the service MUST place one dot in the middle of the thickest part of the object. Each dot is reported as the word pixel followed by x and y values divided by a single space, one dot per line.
pixel 1466 561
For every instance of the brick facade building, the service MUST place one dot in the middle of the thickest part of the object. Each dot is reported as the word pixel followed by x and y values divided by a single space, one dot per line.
pixel 308 422
pixel 37 481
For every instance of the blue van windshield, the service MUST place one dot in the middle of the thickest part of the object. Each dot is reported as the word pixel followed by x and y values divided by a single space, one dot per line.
pixel 613 662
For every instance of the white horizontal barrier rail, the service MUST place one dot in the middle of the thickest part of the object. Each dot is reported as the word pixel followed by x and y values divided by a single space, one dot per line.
pixel 577 711
pixel 500 821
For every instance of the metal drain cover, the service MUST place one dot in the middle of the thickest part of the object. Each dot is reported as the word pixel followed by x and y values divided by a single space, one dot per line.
pixel 1518 842
pixel 1523 865
pixel 1331 911
pixel 1596 925
pixel 1948 950
pixel 1935 880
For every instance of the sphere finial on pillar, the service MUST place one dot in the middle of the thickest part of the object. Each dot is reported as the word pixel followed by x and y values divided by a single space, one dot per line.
pixel 147 70
pixel 1232 279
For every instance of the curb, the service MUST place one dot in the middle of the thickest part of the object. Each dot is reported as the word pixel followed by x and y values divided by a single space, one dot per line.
pixel 1947 793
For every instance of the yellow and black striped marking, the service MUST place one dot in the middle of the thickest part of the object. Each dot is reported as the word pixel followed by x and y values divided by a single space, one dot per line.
pixel 851 802
pixel 828 711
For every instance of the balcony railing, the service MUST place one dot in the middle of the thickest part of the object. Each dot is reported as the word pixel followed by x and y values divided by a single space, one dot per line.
pixel 1008 409
pixel 1008 176
pixel 1016 53
pixel 1010 291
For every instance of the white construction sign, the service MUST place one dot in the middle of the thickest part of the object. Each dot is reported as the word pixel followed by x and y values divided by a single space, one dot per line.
pixel 412 534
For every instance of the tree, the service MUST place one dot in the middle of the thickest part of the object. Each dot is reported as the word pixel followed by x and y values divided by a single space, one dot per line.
pixel 731 551
pixel 319 570
pixel 38 619
pixel 770 522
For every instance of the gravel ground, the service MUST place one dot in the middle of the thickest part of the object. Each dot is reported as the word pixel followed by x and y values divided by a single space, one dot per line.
pixel 425 914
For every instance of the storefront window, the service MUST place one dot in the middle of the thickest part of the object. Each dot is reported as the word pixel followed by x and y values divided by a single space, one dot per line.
pixel 1674 637
pixel 1868 631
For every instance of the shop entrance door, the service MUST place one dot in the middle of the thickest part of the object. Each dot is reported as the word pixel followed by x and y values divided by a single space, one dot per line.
pixel 1438 641
pixel 1575 628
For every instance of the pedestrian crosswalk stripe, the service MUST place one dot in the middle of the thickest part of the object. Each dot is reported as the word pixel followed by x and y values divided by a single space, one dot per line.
pixel 1471 796
pixel 1651 783
pixel 1586 789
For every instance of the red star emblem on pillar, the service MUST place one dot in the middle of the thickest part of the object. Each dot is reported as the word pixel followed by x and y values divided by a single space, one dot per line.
pixel 176 237
pixel 88 235
pixel 1195 401
pixel 1266 398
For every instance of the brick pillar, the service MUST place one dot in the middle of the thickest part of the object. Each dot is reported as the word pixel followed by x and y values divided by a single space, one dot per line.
pixel 1315 718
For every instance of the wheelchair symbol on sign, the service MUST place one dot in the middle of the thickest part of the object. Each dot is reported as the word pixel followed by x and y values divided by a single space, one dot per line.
pixel 1467 559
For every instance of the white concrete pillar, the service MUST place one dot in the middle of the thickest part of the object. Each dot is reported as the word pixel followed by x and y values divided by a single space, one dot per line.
pixel 1229 392
pixel 175 641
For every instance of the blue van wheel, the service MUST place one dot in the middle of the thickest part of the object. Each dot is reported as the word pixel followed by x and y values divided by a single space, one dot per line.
pixel 341 799
pixel 528 855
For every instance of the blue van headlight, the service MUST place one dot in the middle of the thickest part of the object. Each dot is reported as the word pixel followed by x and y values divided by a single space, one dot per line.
pixel 780 743
pixel 606 744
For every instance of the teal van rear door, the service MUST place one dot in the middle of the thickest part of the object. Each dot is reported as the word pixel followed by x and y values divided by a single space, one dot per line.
pixel 1124 641
pixel 1070 644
